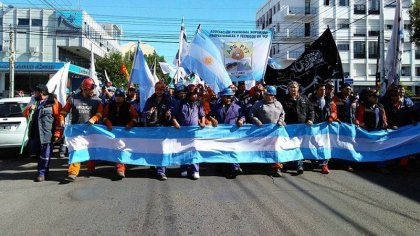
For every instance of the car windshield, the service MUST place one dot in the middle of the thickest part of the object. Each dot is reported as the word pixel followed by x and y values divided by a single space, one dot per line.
pixel 12 109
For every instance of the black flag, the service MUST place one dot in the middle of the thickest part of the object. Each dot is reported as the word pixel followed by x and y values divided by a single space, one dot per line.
pixel 319 63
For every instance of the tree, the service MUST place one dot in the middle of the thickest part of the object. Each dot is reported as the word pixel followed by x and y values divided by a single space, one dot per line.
pixel 114 61
pixel 414 14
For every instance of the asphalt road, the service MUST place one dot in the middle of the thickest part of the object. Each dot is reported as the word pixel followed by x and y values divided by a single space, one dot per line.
pixel 341 203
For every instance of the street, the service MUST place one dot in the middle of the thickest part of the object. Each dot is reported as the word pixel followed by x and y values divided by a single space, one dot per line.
pixel 340 203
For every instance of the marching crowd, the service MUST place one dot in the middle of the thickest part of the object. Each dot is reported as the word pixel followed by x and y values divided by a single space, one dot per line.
pixel 197 104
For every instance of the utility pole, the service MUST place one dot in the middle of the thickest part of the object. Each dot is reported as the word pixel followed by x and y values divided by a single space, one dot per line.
pixel 12 64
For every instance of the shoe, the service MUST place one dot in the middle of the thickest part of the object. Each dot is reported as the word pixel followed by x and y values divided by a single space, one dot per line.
pixel 325 169
pixel 196 175
pixel 300 170
pixel 235 173
pixel 121 174
pixel 71 178
pixel 350 169
pixel 162 177
pixel 277 172
pixel 184 173
pixel 40 179
pixel 61 155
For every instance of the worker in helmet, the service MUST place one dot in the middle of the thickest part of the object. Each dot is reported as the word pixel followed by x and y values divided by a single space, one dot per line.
pixel 120 113
pixel 84 107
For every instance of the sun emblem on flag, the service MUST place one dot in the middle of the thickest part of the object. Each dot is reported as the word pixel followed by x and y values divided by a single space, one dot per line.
pixel 208 60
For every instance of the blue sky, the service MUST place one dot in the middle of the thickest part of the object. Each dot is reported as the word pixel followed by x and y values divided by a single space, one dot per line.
pixel 158 21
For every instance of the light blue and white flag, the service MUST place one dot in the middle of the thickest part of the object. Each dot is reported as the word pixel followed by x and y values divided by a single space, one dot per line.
pixel 167 146
pixel 395 49
pixel 204 59
pixel 245 52
pixel 141 75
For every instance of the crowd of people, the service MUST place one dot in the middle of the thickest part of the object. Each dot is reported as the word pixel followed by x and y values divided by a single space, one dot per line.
pixel 198 105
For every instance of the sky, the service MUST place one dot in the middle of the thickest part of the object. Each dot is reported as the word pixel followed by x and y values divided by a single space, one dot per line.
pixel 157 22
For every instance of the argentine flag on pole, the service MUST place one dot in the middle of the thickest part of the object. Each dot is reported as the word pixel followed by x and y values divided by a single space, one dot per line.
pixel 58 83
pixel 141 75
pixel 205 60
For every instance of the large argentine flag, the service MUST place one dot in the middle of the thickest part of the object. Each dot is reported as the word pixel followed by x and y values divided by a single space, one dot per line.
pixel 205 60
pixel 141 75
pixel 167 146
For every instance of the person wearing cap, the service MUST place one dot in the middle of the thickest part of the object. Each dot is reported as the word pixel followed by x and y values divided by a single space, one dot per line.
pixel 107 94
pixel 84 108
pixel 171 90
pixel 325 111
pixel 44 128
pixel 299 110
pixel 228 112
pixel 371 116
pixel 122 114
pixel 189 112
pixel 269 111
pixel 157 112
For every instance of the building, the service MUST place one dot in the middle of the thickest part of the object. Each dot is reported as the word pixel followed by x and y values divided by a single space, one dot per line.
pixel 355 26
pixel 44 39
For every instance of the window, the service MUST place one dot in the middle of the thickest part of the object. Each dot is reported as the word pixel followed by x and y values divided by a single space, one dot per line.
pixel 417 53
pixel 307 7
pixel 417 71
pixel 343 26
pixel 388 27
pixel 359 49
pixel 374 33
pixel 23 21
pixel 343 3
pixel 343 47
pixel 36 22
pixel 405 71
pixel 374 7
pixel 360 9
pixel 326 2
pixel 307 29
pixel 373 50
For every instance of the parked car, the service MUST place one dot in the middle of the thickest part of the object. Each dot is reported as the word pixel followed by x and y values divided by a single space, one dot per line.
pixel 12 121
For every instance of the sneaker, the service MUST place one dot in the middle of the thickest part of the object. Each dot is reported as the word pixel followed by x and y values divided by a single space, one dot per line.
pixel 40 179
pixel 121 174
pixel 325 169
pixel 300 170
pixel 277 172
pixel 184 173
pixel 350 169
pixel 235 173
pixel 162 177
pixel 71 178
pixel 196 175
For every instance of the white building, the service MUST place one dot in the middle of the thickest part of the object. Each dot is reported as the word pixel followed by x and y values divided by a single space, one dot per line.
pixel 355 26
pixel 44 39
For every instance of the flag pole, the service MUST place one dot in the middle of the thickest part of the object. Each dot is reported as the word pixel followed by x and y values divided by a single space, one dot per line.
pixel 382 45
pixel 22 146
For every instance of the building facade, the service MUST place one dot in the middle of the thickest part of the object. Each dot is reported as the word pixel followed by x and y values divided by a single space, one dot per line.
pixel 355 26
pixel 44 39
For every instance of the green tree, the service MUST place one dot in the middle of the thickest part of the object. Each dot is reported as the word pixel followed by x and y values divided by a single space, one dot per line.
pixel 414 14
pixel 113 63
